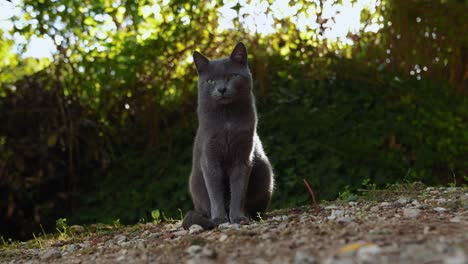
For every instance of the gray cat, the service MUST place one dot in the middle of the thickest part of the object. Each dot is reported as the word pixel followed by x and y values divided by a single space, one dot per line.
pixel 231 179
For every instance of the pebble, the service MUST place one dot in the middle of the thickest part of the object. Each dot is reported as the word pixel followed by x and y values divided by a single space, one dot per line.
pixel 411 212
pixel 195 229
pixel 455 219
pixel 178 224
pixel 440 209
pixel 235 226
pixel 368 253
pixel 72 248
pixel 208 253
pixel 181 233
pixel 145 233
pixel 141 245
pixel 259 261
pixel 224 225
pixel 200 261
pixel 120 239
pixel 345 219
pixel 280 218
pixel 199 251
pixel 223 238
pixel 335 214
pixel 85 244
pixel 51 253
pixel 302 257
pixel 458 258
pixel 374 209
pixel 194 250
pixel 403 200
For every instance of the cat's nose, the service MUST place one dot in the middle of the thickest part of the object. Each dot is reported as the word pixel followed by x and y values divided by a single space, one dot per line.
pixel 222 89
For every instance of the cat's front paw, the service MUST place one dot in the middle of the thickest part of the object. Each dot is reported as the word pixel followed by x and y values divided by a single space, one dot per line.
pixel 242 220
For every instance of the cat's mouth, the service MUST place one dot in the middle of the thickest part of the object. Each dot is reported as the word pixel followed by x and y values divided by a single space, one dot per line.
pixel 224 99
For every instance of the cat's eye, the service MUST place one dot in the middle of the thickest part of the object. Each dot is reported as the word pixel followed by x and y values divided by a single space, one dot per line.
pixel 210 81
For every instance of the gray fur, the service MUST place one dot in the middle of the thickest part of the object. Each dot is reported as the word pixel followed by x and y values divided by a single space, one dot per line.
pixel 231 179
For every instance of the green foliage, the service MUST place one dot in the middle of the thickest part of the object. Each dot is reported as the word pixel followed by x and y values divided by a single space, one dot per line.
pixel 156 215
pixel 116 223
pixel 62 227
pixel 346 195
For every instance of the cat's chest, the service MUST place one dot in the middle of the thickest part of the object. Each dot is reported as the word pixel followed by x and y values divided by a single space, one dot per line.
pixel 228 126
pixel 229 133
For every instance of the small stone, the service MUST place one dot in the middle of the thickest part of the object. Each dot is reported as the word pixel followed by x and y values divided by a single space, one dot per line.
pixel 458 258
pixel 208 253
pixel 331 207
pixel 51 253
pixel 145 233
pixel 302 257
pixel 335 214
pixel 120 239
pixel 235 226
pixel 85 244
pixel 280 218
pixel 345 219
pixel 169 236
pixel 195 229
pixel 224 225
pixel 141 245
pixel 194 250
pixel 374 209
pixel 259 261
pixel 384 204
pixel 120 258
pixel 440 209
pixel 411 212
pixel 223 238
pixel 72 248
pixel 200 261
pixel 368 253
pixel 403 200
pixel 452 189
pixel 455 219
pixel 181 233
pixel 280 260
pixel 415 202
pixel 178 224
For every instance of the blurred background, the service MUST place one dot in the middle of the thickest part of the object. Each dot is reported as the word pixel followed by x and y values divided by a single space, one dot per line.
pixel 98 100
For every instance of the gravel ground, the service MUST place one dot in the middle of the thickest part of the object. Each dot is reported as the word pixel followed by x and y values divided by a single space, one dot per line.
pixel 429 225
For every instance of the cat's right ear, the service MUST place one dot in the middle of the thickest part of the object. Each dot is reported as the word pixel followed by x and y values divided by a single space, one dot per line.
pixel 201 62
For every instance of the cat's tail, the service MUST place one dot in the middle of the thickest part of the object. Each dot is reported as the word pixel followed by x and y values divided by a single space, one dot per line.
pixel 195 218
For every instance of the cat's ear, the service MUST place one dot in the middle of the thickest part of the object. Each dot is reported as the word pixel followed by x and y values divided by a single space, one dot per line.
pixel 201 62
pixel 239 54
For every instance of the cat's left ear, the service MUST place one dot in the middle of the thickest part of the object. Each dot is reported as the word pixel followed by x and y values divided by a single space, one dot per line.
pixel 201 62
pixel 239 54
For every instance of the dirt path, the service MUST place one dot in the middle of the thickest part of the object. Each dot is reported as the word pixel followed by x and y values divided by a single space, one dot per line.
pixel 425 226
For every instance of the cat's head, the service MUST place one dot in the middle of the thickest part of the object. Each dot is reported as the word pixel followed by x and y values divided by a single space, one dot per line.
pixel 226 80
